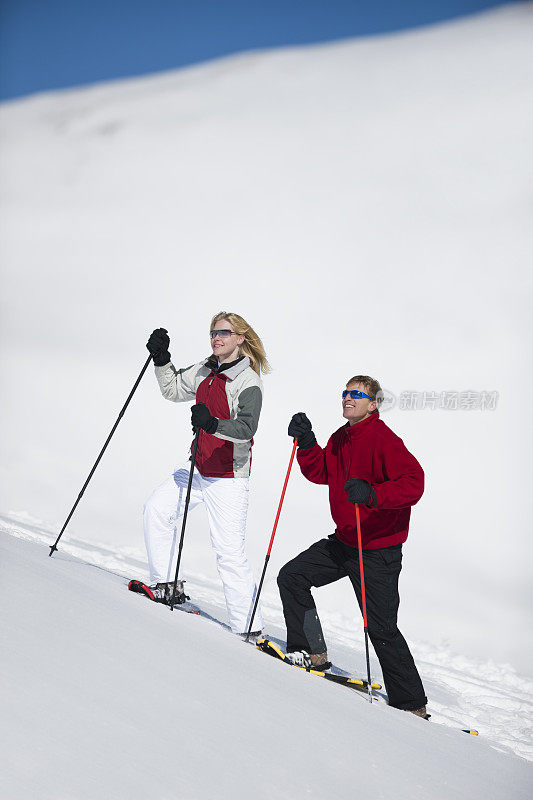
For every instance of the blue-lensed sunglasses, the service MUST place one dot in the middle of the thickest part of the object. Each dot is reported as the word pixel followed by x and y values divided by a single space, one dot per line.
pixel 355 394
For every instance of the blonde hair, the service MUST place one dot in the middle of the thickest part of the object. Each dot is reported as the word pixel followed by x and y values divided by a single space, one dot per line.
pixel 371 385
pixel 252 345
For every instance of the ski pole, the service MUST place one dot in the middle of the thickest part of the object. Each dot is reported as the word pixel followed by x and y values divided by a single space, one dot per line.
pixel 186 509
pixel 363 597
pixel 271 539
pixel 124 407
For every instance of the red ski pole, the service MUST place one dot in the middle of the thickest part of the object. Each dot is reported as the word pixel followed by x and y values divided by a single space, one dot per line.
pixel 363 598
pixel 272 539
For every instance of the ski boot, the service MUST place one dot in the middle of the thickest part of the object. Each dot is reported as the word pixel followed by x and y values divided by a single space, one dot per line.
pixel 316 661
pixel 162 593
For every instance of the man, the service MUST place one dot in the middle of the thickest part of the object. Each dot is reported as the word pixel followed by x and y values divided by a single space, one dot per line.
pixel 363 462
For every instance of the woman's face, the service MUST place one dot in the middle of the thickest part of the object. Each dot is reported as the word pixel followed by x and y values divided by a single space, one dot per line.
pixel 225 346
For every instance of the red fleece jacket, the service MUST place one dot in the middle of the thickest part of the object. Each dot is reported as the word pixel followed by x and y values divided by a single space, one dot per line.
pixel 368 450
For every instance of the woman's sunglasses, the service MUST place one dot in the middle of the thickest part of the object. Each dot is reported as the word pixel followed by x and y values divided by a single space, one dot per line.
pixel 224 334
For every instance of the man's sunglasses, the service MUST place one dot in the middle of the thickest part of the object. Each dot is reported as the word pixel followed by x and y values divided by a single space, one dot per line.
pixel 355 394
pixel 224 334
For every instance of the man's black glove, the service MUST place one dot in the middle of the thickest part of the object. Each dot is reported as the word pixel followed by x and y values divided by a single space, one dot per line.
pixel 360 491
pixel 300 428
pixel 158 345
pixel 202 418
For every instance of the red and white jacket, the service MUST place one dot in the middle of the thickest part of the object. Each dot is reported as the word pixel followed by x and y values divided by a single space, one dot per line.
pixel 368 450
pixel 234 396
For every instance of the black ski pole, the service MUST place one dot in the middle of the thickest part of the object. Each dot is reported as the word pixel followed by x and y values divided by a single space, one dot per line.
pixel 137 382
pixel 295 445
pixel 186 509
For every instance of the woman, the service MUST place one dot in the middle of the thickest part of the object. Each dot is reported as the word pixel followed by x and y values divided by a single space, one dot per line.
pixel 228 391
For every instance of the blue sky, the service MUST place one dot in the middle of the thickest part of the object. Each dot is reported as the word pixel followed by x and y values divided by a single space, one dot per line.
pixel 51 44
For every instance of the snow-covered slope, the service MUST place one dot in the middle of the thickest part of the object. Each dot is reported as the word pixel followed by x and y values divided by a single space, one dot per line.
pixel 366 205
pixel 491 698
pixel 112 696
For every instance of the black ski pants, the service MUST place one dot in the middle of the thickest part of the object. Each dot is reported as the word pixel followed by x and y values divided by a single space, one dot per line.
pixel 329 560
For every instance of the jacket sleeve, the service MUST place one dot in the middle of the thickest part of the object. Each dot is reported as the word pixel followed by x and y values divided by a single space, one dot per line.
pixel 177 385
pixel 405 477
pixel 312 462
pixel 246 421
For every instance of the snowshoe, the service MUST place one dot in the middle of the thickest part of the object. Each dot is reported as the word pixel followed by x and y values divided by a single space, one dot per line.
pixel 160 592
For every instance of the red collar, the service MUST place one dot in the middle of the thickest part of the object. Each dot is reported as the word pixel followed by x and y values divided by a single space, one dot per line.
pixel 360 428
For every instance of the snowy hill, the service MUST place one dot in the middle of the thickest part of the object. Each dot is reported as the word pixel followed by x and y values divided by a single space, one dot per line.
pixel 366 205
pixel 113 696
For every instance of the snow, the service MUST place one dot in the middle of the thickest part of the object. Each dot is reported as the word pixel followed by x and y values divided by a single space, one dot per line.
pixel 111 695
pixel 366 205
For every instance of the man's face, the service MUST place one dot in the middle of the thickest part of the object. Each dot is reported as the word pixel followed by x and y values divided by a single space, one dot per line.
pixel 359 409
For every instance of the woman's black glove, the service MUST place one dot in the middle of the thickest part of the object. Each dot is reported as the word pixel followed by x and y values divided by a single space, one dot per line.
pixel 158 345
pixel 202 418
pixel 360 491
pixel 300 428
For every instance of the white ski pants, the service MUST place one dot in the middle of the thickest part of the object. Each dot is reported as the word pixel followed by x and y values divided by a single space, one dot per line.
pixel 226 502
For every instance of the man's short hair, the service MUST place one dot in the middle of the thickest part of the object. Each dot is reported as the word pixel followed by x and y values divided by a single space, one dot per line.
pixel 371 385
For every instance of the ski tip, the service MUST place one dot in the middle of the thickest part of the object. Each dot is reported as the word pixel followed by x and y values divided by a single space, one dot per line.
pixel 269 647
pixel 472 732
pixel 140 588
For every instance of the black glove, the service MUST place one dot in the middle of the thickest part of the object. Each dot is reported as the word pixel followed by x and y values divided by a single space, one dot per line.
pixel 300 428
pixel 360 491
pixel 202 418
pixel 158 345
